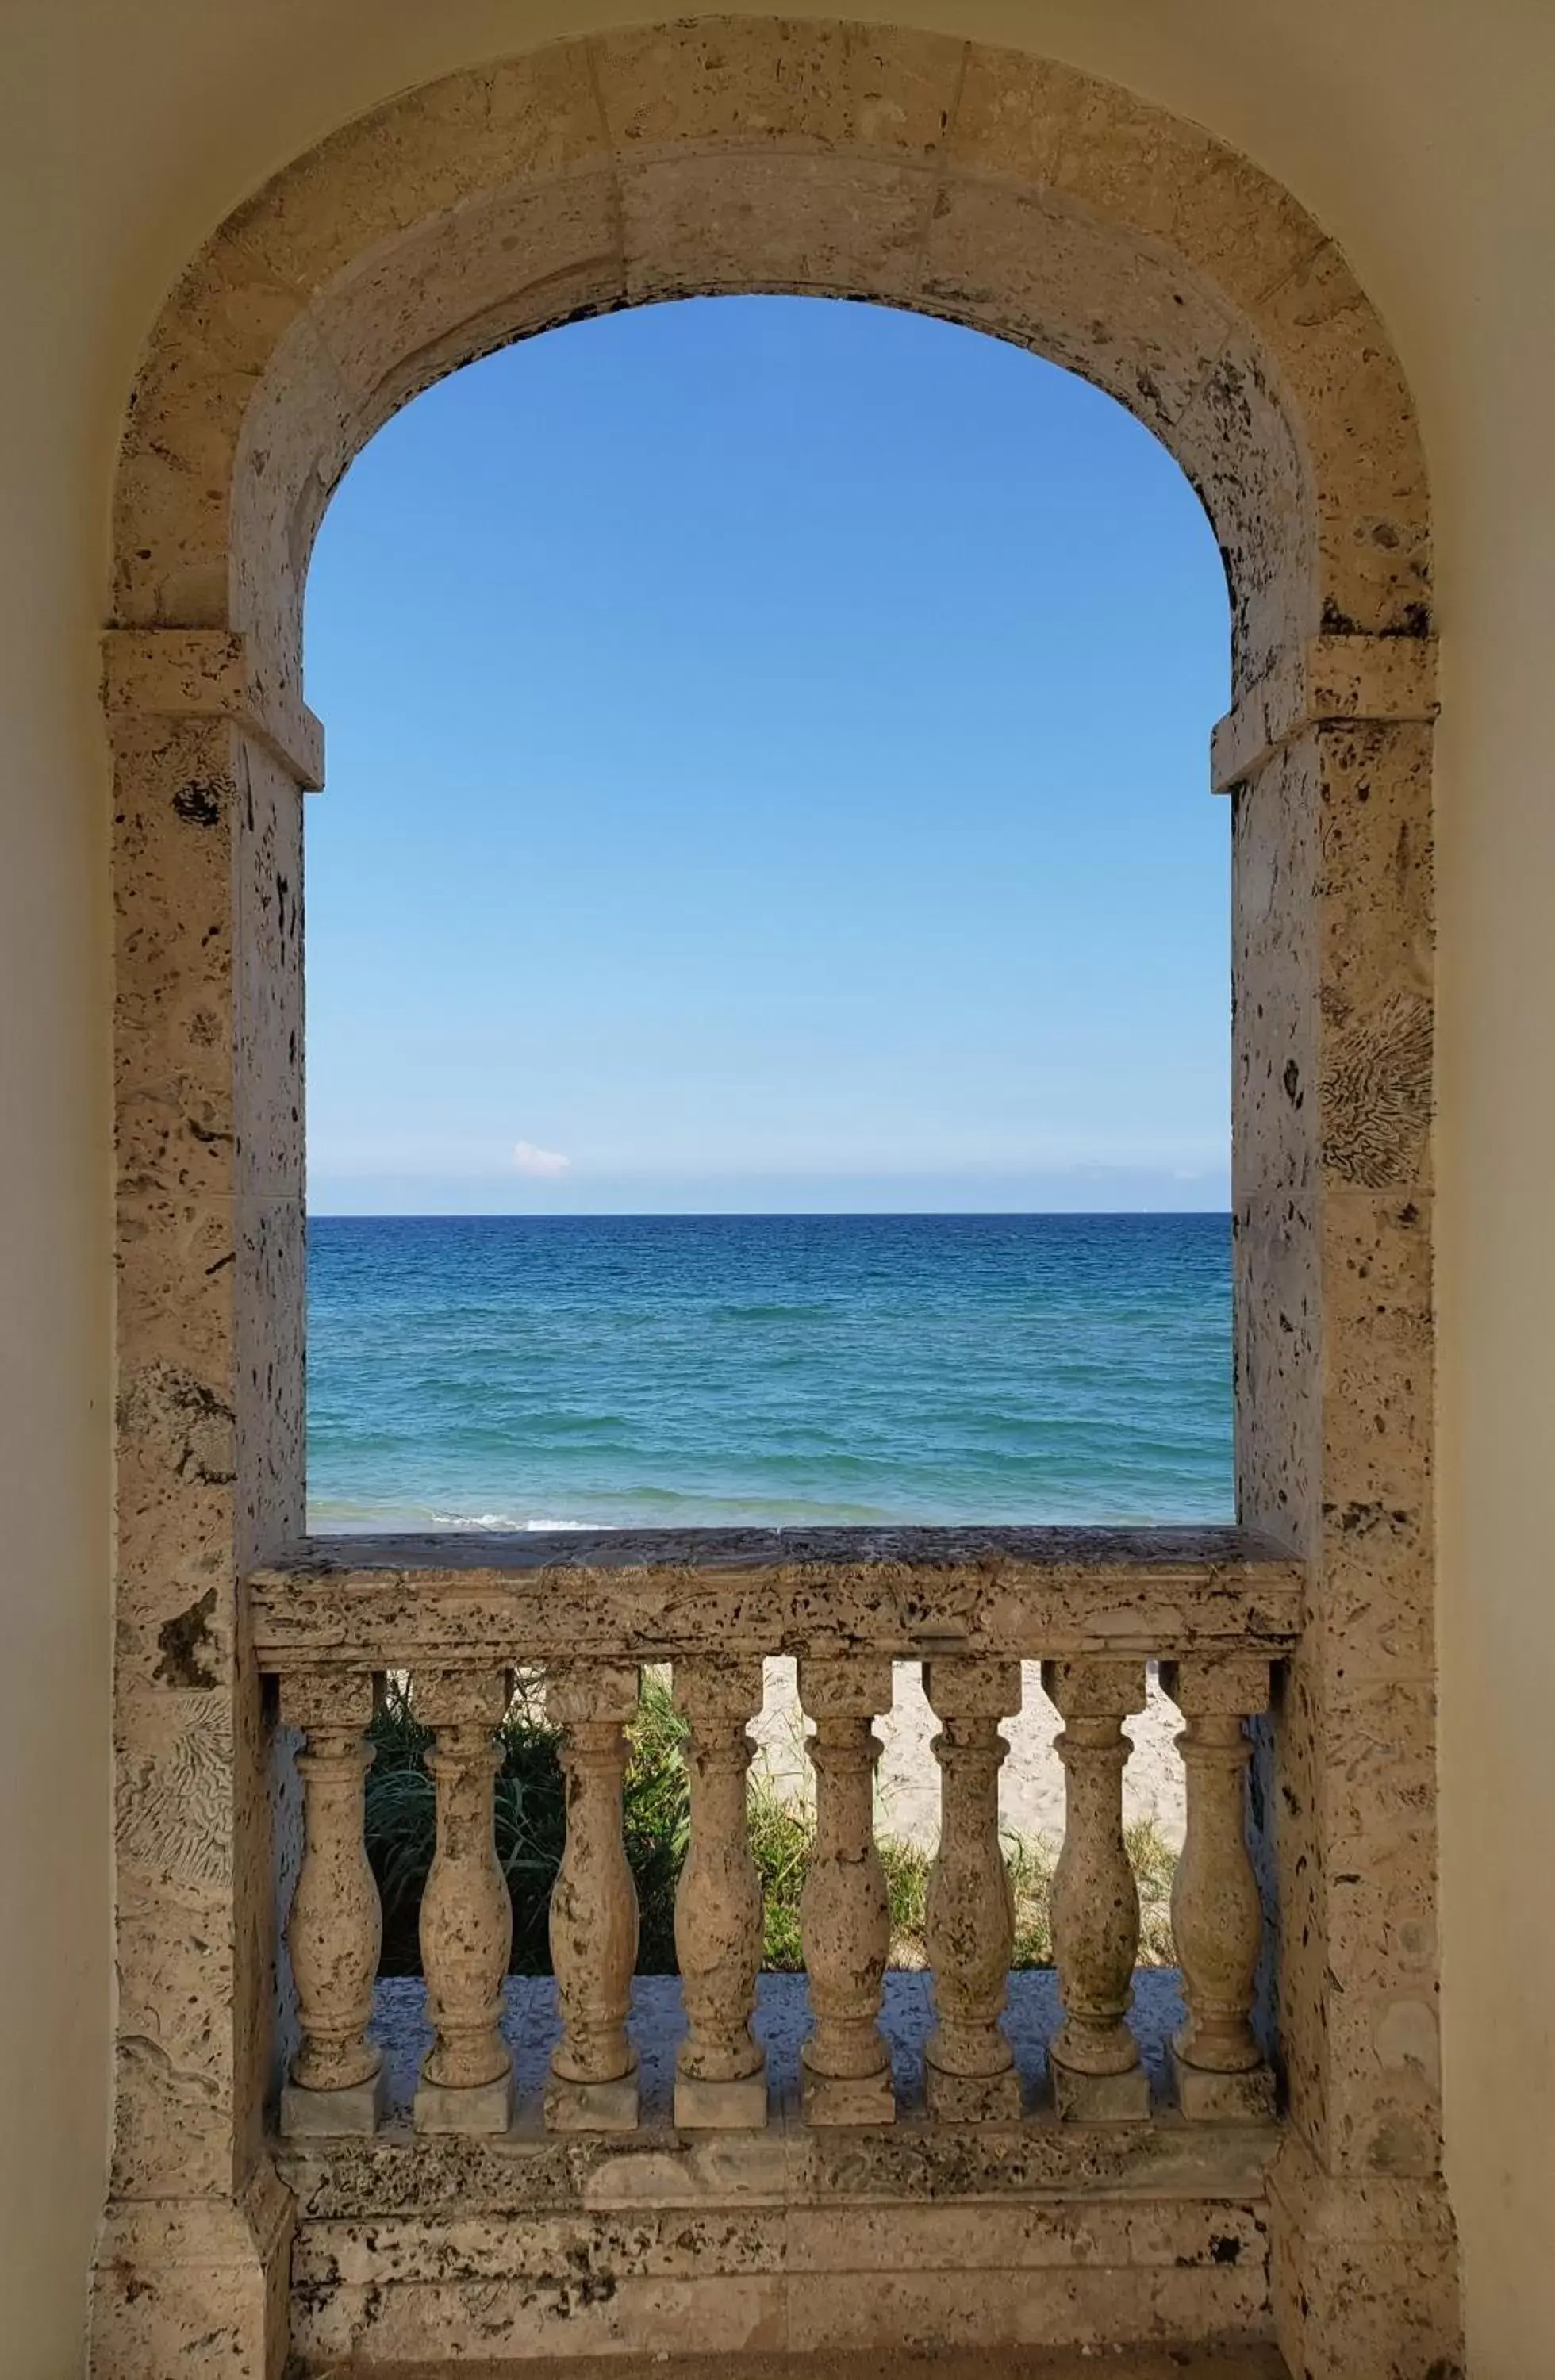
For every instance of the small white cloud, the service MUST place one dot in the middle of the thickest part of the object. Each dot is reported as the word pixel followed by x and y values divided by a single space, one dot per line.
pixel 544 1163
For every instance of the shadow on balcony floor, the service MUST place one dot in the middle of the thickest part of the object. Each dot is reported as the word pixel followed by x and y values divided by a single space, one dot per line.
pixel 530 2027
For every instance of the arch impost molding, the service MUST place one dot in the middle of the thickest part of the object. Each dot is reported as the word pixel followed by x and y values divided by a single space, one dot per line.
pixel 1328 680
pixel 209 673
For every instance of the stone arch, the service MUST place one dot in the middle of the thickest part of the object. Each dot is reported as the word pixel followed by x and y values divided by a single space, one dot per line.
pixel 1014 196
pixel 1007 192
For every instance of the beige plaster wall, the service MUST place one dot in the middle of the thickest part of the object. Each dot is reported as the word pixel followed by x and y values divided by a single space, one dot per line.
pixel 1415 134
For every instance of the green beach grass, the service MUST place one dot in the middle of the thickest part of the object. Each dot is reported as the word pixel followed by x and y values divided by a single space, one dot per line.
pixel 531 1826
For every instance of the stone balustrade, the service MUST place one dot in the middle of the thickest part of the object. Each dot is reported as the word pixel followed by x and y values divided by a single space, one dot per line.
pixel 972 1673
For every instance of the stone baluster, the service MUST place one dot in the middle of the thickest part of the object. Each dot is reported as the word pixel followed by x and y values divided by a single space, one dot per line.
pixel 1095 2059
pixel 592 2085
pixel 335 1927
pixel 466 1916
pixel 1217 1919
pixel 970 2071
pixel 844 1918
pixel 720 2072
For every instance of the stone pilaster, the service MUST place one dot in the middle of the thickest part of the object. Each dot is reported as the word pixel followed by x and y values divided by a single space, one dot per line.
pixel 207 893
pixel 1332 1067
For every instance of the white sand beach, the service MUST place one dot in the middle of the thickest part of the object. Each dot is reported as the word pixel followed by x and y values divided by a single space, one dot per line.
pixel 1030 1785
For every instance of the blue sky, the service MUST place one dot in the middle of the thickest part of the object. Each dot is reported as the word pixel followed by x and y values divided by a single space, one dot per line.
pixel 767 771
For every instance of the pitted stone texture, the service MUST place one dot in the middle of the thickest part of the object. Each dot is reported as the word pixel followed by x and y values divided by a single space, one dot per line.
pixel 843 1915
pixel 969 1915
pixel 1345 383
pixel 355 2110
pixel 1095 1899
pixel 720 2107
pixel 169 674
pixel 334 1924
pixel 1157 2229
pixel 210 1433
pixel 1362 2274
pixel 1217 1921
pixel 1246 2097
pixel 718 1910
pixel 1081 2098
pixel 762 82
pixel 821 225
pixel 1044 124
pixel 848 2099
pixel 1325 681
pixel 593 1924
pixel 972 2098
pixel 886 1594
pixel 1065 215
pixel 186 2284
pixel 469 2109
pixel 837 96
pixel 467 1912
pixel 592 2106
pixel 1018 263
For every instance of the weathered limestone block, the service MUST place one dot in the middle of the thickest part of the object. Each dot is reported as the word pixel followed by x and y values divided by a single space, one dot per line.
pixel 845 1917
pixel 1217 1917
pixel 773 81
pixel 194 2285
pixel 720 2072
pixel 335 1929
pixel 466 1913
pixel 593 2081
pixel 1096 2075
pixel 1363 2273
pixel 970 2071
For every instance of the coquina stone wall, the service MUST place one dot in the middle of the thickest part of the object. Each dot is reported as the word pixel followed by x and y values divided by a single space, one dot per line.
pixel 1022 199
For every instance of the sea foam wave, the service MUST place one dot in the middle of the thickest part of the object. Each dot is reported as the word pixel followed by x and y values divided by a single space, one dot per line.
pixel 497 1522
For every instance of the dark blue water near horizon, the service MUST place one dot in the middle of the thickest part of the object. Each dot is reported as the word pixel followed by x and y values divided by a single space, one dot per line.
pixel 726 1371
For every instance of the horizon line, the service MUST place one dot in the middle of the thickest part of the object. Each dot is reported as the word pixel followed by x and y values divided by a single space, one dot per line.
pixel 774 1215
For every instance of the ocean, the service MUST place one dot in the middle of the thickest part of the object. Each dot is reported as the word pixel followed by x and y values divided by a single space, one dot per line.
pixel 525 1372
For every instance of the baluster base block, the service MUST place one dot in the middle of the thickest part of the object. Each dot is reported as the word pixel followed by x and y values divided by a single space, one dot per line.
pixel 720 2107
pixel 354 2113
pixel 592 2106
pixel 1206 2098
pixel 1100 2098
pixel 847 2098
pixel 472 2110
pixel 971 2098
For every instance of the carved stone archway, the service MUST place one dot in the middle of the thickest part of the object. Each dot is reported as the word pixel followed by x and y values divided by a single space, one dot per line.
pixel 1016 196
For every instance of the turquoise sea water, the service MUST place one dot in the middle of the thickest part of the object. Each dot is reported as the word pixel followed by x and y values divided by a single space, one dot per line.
pixel 530 1372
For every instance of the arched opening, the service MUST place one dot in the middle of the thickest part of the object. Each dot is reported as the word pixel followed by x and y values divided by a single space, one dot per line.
pixel 1011 195
pixel 723 823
